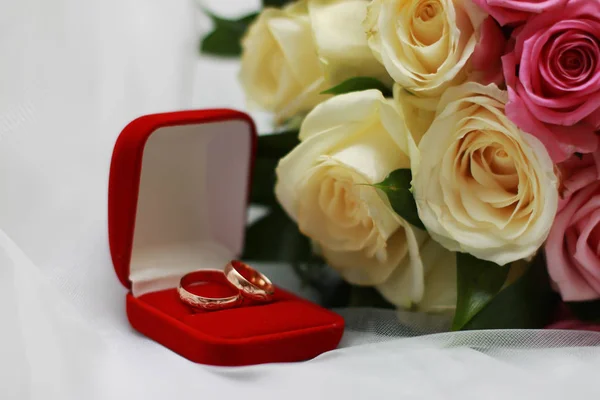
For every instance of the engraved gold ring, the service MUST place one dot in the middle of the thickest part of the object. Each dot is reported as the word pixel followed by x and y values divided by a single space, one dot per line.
pixel 251 283
pixel 191 282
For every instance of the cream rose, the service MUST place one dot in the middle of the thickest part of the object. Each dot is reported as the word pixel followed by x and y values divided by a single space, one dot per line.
pixel 280 70
pixel 419 111
pixel 425 45
pixel 347 144
pixel 438 274
pixel 342 42
pixel 483 186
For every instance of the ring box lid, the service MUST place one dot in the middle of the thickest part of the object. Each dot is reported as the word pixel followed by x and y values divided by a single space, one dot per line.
pixel 178 191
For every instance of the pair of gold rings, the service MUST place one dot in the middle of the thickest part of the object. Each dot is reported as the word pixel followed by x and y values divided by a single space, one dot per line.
pixel 243 281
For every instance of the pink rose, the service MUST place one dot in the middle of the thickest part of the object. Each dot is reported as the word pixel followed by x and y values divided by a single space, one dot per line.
pixel 565 320
pixel 487 56
pixel 553 78
pixel 573 246
pixel 575 325
pixel 514 11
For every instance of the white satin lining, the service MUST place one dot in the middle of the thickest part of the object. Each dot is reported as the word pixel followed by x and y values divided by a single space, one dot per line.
pixel 192 202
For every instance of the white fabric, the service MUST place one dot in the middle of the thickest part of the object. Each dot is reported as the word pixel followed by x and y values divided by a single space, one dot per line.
pixel 73 73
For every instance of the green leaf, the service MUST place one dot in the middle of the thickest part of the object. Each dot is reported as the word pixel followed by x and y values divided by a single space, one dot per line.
pixel 528 303
pixel 397 188
pixel 275 3
pixel 478 282
pixel 277 145
pixel 220 43
pixel 263 182
pixel 269 150
pixel 276 238
pixel 358 84
pixel 588 311
pixel 225 38
pixel 233 25
pixel 294 122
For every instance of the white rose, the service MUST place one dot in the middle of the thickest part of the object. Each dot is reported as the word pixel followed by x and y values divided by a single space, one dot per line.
pixel 419 111
pixel 347 144
pixel 342 42
pixel 280 70
pixel 438 275
pixel 425 45
pixel 483 186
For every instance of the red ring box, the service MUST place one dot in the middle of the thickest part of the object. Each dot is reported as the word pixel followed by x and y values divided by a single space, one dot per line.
pixel 177 202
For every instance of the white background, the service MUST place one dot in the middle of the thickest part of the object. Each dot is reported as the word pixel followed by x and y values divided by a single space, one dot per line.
pixel 72 74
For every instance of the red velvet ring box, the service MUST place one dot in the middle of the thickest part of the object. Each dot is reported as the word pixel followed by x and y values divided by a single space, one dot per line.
pixel 178 194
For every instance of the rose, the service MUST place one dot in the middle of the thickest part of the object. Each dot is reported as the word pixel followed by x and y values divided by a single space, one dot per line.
pixel 349 143
pixel 483 186
pixel 514 11
pixel 419 111
pixel 487 57
pixel 574 325
pixel 280 70
pixel 426 45
pixel 572 250
pixel 438 274
pixel 341 40
pixel 487 65
pixel 565 320
pixel 553 76
pixel 576 173
pixel 420 45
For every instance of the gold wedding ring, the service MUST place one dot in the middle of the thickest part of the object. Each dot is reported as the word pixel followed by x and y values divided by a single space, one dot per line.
pixel 203 302
pixel 251 283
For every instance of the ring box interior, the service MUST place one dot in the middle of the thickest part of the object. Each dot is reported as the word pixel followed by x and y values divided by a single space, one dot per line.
pixel 178 189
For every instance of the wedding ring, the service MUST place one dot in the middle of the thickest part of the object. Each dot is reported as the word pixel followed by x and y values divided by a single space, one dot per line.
pixel 251 283
pixel 202 302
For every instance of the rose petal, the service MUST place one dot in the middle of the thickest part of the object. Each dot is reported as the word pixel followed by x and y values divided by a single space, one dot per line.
pixel 488 52
pixel 513 11
pixel 561 267
pixel 517 111
pixel 587 258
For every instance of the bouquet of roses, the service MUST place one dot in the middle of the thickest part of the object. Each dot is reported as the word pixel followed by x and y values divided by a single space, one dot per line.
pixel 442 154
